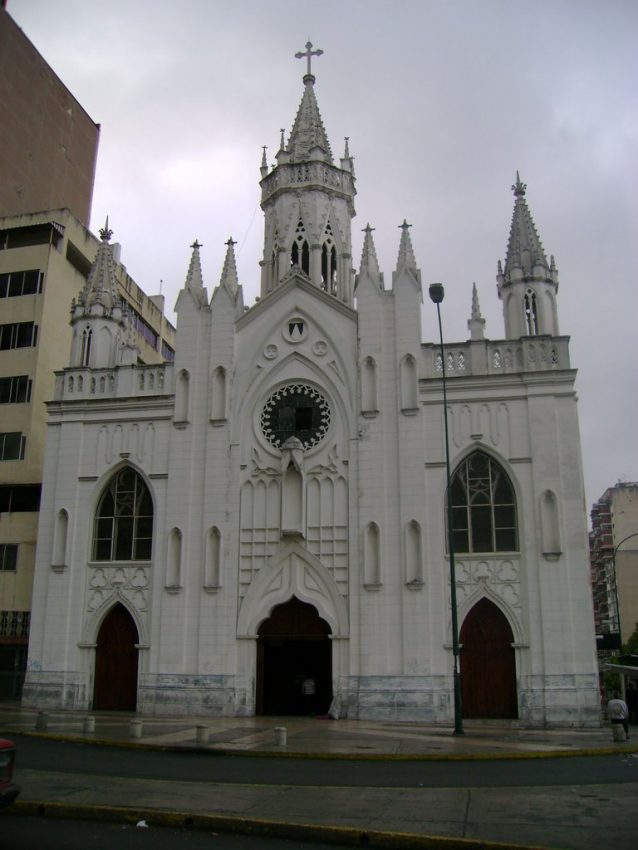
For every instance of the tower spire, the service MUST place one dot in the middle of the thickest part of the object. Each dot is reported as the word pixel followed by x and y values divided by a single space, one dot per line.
pixel 524 248
pixel 101 284
pixel 308 131
pixel 527 283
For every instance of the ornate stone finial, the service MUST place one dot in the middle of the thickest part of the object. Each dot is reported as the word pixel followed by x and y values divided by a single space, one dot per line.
pixel 404 226
pixel 308 53
pixel 230 242
pixel 367 229
pixel 346 153
pixel 264 161
pixel 519 188
pixel 282 143
pixel 105 233
pixel 197 244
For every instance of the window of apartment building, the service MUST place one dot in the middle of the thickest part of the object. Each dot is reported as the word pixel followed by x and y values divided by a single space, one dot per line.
pixel 20 498
pixel 15 390
pixel 8 557
pixel 12 445
pixel 167 352
pixel 21 283
pixel 145 330
pixel 18 335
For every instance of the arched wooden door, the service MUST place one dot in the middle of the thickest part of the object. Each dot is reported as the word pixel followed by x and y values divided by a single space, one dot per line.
pixel 116 662
pixel 293 647
pixel 488 664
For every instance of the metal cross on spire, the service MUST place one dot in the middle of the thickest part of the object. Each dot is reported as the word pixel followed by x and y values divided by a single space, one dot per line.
pixel 308 53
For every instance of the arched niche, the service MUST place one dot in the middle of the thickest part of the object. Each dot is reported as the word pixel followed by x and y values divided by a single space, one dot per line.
pixel 408 385
pixel 413 554
pixel 174 560
pixel 212 559
pixel 218 395
pixel 369 396
pixel 372 556
pixel 550 526
pixel 182 398
pixel 60 538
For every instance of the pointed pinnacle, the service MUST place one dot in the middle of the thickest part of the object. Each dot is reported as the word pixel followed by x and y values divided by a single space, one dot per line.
pixel 406 252
pixel 194 275
pixel 229 272
pixel 369 260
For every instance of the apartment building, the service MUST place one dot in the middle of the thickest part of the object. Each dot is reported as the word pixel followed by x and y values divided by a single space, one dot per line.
pixel 614 564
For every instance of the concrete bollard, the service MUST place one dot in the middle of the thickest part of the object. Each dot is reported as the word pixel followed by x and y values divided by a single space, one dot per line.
pixel 280 736
pixel 89 724
pixel 41 721
pixel 136 729
pixel 201 734
pixel 618 733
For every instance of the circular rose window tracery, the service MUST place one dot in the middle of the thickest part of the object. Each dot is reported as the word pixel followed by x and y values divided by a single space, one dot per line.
pixel 295 410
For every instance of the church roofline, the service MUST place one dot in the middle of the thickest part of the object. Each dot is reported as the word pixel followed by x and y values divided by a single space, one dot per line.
pixel 296 282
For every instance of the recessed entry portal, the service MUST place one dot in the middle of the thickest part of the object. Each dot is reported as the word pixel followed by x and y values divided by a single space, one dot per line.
pixel 116 662
pixel 488 664
pixel 294 657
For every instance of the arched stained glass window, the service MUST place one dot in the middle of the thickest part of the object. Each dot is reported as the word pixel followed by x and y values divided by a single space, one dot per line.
pixel 483 507
pixel 123 529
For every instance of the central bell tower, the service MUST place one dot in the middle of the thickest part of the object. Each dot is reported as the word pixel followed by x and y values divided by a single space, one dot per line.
pixel 308 203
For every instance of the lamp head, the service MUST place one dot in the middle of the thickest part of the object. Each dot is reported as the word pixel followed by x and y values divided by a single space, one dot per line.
pixel 437 293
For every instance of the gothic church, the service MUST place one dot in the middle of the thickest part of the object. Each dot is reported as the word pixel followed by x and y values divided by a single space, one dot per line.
pixel 272 506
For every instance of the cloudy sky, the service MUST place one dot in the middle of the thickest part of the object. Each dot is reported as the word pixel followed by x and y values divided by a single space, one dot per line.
pixel 443 101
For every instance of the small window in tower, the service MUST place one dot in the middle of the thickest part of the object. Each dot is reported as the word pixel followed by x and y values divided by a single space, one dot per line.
pixel 531 316
pixel 300 252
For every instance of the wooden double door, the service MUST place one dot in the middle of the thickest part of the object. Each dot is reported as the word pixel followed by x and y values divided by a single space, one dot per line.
pixel 488 664
pixel 116 658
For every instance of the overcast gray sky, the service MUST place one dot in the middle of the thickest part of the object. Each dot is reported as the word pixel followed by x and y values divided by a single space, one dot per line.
pixel 443 100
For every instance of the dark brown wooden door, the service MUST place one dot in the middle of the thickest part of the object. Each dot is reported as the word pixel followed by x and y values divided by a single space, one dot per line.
pixel 293 645
pixel 488 664
pixel 116 662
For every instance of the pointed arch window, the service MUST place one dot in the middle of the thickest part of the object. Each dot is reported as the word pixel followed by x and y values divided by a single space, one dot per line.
pixel 300 252
pixel 87 339
pixel 123 527
pixel 531 314
pixel 484 517
pixel 329 263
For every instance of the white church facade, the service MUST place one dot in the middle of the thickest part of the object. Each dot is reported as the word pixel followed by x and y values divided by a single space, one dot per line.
pixel 271 506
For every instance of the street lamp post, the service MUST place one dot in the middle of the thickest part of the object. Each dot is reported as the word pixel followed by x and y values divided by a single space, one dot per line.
pixel 437 293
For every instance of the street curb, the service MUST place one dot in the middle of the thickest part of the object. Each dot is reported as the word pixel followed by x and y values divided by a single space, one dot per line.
pixel 252 826
pixel 492 755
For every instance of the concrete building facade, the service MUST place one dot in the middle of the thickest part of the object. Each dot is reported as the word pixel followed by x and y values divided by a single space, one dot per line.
pixel 614 561
pixel 48 143
pixel 270 508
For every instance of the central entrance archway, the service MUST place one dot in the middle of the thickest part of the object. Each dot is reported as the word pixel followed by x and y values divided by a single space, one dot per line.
pixel 294 647
pixel 116 662
pixel 488 664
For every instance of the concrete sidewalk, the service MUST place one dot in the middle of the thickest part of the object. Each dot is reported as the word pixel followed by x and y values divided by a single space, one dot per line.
pixel 318 737
pixel 588 817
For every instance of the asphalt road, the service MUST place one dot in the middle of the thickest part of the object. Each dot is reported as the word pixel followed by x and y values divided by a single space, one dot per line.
pixel 70 757
pixel 574 803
